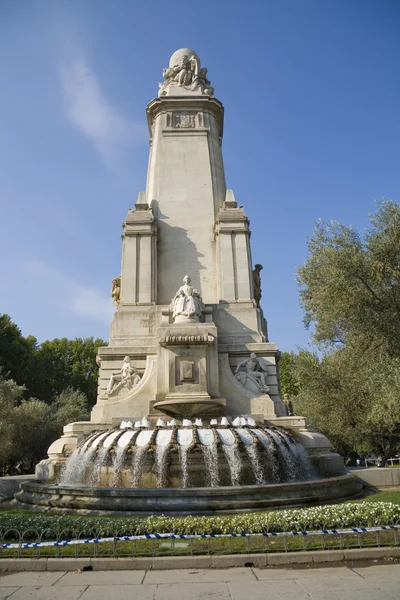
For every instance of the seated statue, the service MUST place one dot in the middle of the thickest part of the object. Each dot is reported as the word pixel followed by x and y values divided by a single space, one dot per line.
pixel 125 377
pixel 255 370
pixel 187 303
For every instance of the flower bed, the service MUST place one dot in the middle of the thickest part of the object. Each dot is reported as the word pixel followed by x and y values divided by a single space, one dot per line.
pixel 362 514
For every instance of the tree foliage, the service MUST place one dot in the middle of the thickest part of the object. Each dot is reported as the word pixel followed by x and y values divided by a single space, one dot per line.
pixel 49 368
pixel 287 374
pixel 29 426
pixel 350 292
pixel 350 284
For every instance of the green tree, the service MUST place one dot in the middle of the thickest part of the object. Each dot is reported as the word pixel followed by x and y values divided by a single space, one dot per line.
pixel 11 394
pixel 350 292
pixel 350 284
pixel 69 406
pixel 63 363
pixel 34 431
pixel 288 375
pixel 352 397
pixel 16 353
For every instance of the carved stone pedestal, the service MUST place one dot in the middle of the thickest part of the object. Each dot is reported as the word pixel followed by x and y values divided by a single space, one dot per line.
pixel 187 373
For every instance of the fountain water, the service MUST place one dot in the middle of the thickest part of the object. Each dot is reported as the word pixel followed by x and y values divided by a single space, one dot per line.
pixel 233 455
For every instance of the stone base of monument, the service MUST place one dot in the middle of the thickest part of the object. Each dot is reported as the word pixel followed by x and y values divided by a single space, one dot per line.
pixel 189 501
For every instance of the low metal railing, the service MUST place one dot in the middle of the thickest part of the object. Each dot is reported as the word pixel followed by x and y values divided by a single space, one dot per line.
pixel 34 543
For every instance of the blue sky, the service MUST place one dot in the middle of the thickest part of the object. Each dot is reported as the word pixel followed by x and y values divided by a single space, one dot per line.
pixel 311 90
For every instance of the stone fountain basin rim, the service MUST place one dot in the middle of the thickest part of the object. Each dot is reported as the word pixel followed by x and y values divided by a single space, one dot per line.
pixel 76 490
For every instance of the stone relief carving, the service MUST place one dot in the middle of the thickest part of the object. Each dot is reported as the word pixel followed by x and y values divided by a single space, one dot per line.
pixel 257 283
pixel 187 304
pixel 187 74
pixel 185 120
pixel 253 370
pixel 171 340
pixel 116 290
pixel 126 376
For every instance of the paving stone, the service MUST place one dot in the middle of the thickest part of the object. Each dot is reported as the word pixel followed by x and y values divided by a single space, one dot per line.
pixel 378 570
pixel 120 592
pixel 194 591
pixel 238 560
pixel 121 564
pixel 6 591
pixel 67 564
pixel 282 558
pixel 102 578
pixel 181 562
pixel 271 574
pixel 300 572
pixel 346 581
pixel 199 575
pixel 370 553
pixel 30 579
pixel 24 564
pixel 267 590
pixel 369 594
pixel 323 556
pixel 49 592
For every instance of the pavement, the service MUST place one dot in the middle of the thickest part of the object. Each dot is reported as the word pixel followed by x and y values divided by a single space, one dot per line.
pixel 373 582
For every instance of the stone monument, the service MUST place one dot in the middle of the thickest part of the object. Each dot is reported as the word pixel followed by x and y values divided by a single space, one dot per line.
pixel 198 348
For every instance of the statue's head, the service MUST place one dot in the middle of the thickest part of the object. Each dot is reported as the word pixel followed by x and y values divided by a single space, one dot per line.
pixel 186 279
pixel 258 267
pixel 127 359
pixel 252 355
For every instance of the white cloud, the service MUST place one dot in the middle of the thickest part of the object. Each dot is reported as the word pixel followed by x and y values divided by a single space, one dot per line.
pixel 89 111
pixel 65 292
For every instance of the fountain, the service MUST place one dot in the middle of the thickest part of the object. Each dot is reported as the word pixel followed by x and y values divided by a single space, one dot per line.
pixel 193 357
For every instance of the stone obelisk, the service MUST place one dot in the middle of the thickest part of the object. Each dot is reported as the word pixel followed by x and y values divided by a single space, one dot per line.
pixel 187 223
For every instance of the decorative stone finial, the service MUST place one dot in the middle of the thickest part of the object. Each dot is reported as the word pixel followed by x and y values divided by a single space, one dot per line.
pixel 184 76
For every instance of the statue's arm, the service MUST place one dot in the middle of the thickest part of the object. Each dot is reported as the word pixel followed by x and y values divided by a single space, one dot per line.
pixel 240 365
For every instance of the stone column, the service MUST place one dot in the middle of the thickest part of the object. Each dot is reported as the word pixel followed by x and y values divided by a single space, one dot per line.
pixel 138 274
pixel 235 282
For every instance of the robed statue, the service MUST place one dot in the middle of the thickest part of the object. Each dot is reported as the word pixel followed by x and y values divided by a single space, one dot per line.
pixel 187 303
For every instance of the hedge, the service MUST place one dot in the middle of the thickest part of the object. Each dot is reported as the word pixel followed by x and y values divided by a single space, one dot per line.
pixel 363 514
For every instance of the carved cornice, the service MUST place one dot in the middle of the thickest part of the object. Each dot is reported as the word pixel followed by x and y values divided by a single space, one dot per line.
pixel 187 340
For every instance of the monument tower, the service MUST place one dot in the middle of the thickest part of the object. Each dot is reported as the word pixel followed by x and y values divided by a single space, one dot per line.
pixel 189 365
pixel 188 223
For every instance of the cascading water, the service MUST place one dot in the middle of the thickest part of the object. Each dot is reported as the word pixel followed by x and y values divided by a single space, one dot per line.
pixel 188 455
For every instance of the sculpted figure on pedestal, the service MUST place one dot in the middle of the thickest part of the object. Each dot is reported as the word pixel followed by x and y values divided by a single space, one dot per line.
pixel 125 377
pixel 186 73
pixel 116 290
pixel 255 370
pixel 200 81
pixel 257 283
pixel 187 303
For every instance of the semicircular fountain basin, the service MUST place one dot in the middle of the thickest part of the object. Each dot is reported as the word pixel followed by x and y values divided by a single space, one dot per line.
pixel 188 470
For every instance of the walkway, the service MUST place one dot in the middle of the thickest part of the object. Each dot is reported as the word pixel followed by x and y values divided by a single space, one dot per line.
pixel 377 582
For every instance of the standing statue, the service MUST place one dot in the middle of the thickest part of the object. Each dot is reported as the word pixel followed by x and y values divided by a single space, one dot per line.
pixel 257 283
pixel 187 303
pixel 125 377
pixel 253 369
pixel 116 290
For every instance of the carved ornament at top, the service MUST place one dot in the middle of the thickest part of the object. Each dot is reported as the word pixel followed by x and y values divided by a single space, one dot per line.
pixel 185 74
